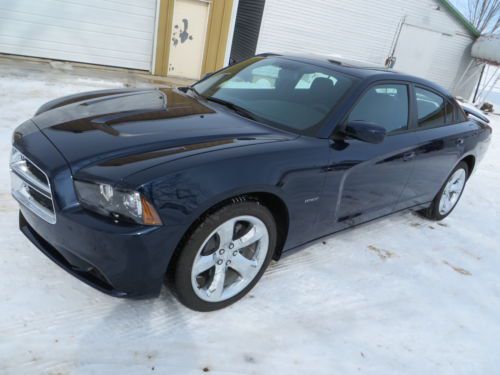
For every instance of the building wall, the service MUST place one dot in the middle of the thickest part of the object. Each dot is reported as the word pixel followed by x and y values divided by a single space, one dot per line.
pixel 365 30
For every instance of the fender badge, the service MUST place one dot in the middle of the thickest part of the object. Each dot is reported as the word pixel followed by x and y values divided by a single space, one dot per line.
pixel 311 200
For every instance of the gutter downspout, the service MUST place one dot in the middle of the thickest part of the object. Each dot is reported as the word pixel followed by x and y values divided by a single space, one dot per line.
pixel 391 60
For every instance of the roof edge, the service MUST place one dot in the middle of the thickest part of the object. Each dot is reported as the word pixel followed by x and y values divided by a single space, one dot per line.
pixel 460 17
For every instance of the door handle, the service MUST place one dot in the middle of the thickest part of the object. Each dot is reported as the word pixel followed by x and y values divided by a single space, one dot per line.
pixel 459 142
pixel 409 156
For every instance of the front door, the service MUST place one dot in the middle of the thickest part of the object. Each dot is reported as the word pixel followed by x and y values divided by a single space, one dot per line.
pixel 368 179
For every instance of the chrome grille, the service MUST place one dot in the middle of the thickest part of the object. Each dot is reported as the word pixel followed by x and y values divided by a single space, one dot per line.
pixel 30 186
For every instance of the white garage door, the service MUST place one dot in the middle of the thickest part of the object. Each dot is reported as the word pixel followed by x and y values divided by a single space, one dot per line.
pixel 106 32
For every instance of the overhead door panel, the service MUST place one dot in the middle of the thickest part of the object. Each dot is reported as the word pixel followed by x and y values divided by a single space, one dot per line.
pixel 106 32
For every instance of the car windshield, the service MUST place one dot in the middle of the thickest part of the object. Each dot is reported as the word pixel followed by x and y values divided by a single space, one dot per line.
pixel 287 94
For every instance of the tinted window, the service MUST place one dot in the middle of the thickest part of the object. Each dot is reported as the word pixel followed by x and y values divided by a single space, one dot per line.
pixel 449 112
pixel 307 79
pixel 263 77
pixel 291 95
pixel 460 114
pixel 384 105
pixel 433 109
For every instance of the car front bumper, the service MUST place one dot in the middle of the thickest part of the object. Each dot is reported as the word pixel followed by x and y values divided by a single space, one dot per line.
pixel 120 261
pixel 116 258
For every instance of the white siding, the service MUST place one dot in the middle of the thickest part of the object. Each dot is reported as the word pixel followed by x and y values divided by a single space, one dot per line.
pixel 363 30
pixel 108 32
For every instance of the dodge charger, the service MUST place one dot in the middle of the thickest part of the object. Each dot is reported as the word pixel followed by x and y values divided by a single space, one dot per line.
pixel 201 187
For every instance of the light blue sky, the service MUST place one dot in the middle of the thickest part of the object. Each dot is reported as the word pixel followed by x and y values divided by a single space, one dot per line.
pixel 461 6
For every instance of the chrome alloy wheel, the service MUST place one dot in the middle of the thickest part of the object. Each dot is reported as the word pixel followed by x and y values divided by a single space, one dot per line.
pixel 452 191
pixel 230 258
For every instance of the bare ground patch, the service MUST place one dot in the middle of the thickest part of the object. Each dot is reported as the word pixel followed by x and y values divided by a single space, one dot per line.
pixel 381 253
pixel 460 270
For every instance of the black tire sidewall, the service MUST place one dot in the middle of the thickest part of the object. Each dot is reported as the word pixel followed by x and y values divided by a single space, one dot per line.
pixel 182 271
pixel 434 212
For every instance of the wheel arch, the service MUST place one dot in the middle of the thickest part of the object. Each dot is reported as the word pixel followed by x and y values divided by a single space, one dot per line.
pixel 271 200
pixel 470 160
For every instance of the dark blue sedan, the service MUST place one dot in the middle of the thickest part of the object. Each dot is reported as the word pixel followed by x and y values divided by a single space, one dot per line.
pixel 202 186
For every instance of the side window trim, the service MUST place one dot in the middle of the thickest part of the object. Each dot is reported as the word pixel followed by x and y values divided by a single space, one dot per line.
pixel 411 107
pixel 445 100
pixel 414 109
pixel 459 111
pixel 453 114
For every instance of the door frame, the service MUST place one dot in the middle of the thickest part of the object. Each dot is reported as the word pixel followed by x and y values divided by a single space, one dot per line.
pixel 216 41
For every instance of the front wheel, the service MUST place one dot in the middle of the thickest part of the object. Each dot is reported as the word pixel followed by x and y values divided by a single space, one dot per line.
pixel 449 195
pixel 225 256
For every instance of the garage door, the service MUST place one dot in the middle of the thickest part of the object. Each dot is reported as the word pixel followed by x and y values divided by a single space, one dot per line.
pixel 105 32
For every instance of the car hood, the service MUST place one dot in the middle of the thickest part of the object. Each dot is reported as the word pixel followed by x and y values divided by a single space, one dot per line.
pixel 136 129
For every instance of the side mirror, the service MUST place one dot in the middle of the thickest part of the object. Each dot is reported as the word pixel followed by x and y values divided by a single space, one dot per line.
pixel 365 131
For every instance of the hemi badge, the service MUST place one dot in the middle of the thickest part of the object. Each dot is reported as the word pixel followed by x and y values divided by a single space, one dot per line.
pixel 311 200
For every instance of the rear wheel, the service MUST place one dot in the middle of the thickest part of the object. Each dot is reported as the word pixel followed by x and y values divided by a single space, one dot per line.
pixel 449 195
pixel 225 256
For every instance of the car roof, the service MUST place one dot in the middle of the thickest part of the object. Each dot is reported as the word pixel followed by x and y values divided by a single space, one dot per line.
pixel 357 68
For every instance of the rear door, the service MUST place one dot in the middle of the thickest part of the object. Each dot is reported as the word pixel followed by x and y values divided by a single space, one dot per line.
pixel 368 179
pixel 442 132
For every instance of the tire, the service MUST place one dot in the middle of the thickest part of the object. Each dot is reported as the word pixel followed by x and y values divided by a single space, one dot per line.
pixel 435 211
pixel 212 245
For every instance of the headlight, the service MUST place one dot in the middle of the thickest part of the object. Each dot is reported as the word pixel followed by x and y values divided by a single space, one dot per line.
pixel 127 205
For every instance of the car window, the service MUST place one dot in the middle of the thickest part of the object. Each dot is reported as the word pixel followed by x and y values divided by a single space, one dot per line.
pixel 263 77
pixel 307 79
pixel 460 114
pixel 385 105
pixel 449 112
pixel 290 95
pixel 433 110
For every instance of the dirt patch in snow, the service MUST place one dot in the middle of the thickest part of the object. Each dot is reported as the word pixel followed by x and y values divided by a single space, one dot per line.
pixel 460 270
pixel 381 253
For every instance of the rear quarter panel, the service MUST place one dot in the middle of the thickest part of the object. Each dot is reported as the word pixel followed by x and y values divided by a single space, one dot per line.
pixel 483 137
pixel 438 154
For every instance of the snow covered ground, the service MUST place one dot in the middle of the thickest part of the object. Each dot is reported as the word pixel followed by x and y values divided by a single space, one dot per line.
pixel 399 295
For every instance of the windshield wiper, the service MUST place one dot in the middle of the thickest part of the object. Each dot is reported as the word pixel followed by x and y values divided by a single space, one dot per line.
pixel 235 107
pixel 190 88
